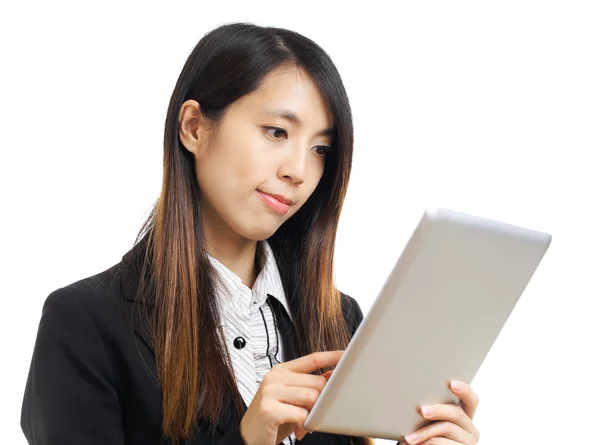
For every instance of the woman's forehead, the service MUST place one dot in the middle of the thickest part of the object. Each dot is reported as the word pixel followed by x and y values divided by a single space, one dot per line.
pixel 290 94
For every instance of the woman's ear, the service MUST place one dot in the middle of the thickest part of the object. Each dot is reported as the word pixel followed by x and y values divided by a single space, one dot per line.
pixel 194 128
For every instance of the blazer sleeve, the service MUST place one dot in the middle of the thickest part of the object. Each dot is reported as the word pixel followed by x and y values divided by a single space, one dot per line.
pixel 70 395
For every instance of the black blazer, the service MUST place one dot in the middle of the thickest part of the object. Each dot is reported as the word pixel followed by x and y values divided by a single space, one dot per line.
pixel 93 379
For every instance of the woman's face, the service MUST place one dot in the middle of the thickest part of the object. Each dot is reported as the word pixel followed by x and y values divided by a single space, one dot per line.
pixel 269 147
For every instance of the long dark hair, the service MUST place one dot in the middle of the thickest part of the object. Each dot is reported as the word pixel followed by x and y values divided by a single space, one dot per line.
pixel 192 361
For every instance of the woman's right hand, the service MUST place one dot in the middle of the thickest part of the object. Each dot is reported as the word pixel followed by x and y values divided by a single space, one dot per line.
pixel 284 398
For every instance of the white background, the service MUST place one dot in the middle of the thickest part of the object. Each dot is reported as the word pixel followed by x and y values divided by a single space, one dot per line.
pixel 488 108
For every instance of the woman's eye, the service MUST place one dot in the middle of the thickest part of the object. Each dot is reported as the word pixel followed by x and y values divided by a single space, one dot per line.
pixel 322 150
pixel 276 132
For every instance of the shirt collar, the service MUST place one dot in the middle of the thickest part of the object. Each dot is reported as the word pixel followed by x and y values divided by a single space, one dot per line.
pixel 268 282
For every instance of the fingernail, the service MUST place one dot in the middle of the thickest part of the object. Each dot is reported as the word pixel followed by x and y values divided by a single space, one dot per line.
pixel 456 386
pixel 412 438
pixel 427 411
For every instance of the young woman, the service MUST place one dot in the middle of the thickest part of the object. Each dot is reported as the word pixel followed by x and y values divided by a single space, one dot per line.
pixel 223 322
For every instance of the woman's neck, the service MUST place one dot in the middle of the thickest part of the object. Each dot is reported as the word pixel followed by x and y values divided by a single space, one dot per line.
pixel 239 256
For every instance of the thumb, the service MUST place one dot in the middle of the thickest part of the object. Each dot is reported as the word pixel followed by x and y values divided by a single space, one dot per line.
pixel 300 432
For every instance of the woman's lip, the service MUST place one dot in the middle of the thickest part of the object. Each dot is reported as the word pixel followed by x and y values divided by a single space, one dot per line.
pixel 274 203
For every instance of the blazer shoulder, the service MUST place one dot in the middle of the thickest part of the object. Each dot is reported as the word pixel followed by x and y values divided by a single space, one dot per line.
pixel 94 295
pixel 352 312
pixel 71 394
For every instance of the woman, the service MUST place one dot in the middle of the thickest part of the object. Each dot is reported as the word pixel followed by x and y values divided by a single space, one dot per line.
pixel 222 323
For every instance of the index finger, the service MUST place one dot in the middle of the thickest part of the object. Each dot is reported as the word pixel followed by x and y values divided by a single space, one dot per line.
pixel 314 361
pixel 469 400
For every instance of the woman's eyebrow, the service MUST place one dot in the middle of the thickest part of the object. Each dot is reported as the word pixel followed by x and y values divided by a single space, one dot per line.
pixel 293 118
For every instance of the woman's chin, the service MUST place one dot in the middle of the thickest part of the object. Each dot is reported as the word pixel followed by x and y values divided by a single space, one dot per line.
pixel 260 232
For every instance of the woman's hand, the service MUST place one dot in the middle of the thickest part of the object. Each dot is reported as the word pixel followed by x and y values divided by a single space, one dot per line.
pixel 453 423
pixel 284 398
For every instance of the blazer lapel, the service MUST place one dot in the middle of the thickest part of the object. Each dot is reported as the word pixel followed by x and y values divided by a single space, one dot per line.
pixel 285 327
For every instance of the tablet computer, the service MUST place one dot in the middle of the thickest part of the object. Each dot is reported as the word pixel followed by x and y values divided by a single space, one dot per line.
pixel 435 319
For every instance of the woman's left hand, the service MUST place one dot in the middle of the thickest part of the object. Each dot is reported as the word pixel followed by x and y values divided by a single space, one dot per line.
pixel 453 424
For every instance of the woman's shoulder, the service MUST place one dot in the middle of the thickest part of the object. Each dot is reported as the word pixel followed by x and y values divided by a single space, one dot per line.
pixel 74 373
pixel 94 298
pixel 352 311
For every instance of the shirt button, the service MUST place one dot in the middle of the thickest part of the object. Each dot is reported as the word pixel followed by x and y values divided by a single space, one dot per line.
pixel 239 342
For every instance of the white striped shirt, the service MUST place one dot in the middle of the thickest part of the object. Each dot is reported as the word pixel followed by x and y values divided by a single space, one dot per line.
pixel 246 317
